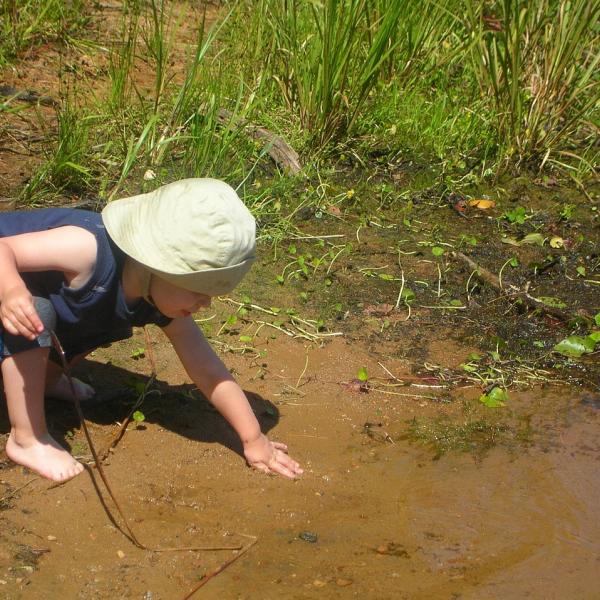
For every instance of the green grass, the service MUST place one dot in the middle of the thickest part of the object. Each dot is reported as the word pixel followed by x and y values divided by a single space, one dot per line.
pixel 25 23
pixel 467 92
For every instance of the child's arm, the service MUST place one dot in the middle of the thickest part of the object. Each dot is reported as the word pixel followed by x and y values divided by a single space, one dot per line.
pixel 16 303
pixel 69 249
pixel 214 380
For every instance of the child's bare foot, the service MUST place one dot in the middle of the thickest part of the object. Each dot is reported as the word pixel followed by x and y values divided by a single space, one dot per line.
pixel 44 456
pixel 61 390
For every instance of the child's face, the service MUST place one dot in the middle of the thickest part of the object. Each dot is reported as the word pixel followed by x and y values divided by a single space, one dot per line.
pixel 175 302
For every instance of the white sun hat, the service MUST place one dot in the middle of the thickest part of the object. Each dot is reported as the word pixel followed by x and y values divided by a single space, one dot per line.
pixel 194 233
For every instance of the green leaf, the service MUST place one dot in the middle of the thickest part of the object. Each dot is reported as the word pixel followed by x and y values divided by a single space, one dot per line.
pixel 581 271
pixel 474 356
pixel 386 277
pixel 597 319
pixel 514 262
pixel 246 339
pixel 407 295
pixel 468 367
pixel 138 416
pixel 495 398
pixel 509 240
pixel 138 353
pixel 594 336
pixel 553 302
pixel 437 251
pixel 574 346
pixel 536 239
pixel 280 279
pixel 362 374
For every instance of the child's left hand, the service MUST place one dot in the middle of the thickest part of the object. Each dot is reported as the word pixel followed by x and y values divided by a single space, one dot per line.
pixel 271 457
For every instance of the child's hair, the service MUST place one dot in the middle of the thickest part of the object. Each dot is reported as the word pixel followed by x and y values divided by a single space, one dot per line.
pixel 195 233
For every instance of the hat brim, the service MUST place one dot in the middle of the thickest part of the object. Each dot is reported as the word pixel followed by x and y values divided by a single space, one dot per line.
pixel 213 282
pixel 121 219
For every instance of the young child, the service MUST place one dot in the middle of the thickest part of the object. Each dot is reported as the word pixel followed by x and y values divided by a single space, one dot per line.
pixel 153 258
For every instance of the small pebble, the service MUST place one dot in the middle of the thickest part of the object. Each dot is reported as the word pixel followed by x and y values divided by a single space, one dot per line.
pixel 343 582
pixel 120 554
pixel 307 536
pixel 319 583
pixel 51 538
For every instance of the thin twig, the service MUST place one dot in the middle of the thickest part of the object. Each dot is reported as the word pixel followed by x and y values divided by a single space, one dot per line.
pixel 220 568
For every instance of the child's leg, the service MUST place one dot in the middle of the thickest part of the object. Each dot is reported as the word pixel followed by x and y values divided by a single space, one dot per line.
pixel 29 443
pixel 58 385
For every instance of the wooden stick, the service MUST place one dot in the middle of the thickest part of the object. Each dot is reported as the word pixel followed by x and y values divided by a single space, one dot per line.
pixel 515 292
pixel 277 148
pixel 220 569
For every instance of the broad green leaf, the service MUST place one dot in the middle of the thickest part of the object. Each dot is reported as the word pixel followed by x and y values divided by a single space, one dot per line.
pixel 362 374
pixel 594 336
pixel 496 398
pixel 509 240
pixel 574 346
pixel 553 302
pixel 246 339
pixel 597 319
pixel 536 239
pixel 138 416
pixel 407 295
pixel 437 251
pixel 581 271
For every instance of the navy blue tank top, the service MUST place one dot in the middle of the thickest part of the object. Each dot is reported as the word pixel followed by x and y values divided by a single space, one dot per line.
pixel 95 313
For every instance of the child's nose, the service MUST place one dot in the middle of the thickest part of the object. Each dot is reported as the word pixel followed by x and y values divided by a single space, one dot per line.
pixel 203 302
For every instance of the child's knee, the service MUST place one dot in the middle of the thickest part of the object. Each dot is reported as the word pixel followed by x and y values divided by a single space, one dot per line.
pixel 13 344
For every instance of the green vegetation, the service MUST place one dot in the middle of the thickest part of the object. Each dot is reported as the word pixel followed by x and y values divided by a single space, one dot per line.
pixel 471 89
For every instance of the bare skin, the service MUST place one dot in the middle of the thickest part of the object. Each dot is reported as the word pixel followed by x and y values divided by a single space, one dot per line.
pixel 72 250
pixel 29 443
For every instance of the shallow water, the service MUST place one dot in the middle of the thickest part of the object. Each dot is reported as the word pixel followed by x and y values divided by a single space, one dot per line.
pixel 391 522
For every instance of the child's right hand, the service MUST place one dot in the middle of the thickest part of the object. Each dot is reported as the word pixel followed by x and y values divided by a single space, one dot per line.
pixel 271 457
pixel 18 313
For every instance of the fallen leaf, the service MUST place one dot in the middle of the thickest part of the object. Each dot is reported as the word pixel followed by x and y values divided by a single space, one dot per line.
pixel 482 203
pixel 355 385
pixel 378 310
pixel 557 242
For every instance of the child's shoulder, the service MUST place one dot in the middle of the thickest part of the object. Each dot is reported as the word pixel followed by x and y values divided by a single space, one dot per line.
pixel 28 221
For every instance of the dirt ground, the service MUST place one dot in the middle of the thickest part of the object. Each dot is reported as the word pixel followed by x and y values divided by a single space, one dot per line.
pixel 412 488
pixel 374 515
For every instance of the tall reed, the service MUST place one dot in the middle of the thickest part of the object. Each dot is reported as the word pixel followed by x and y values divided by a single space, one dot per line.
pixel 538 61
pixel 328 58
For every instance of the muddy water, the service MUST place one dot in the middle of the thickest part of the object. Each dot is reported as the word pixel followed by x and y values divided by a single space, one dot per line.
pixel 390 522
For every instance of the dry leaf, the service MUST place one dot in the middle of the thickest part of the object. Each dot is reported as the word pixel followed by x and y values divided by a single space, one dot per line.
pixel 482 203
